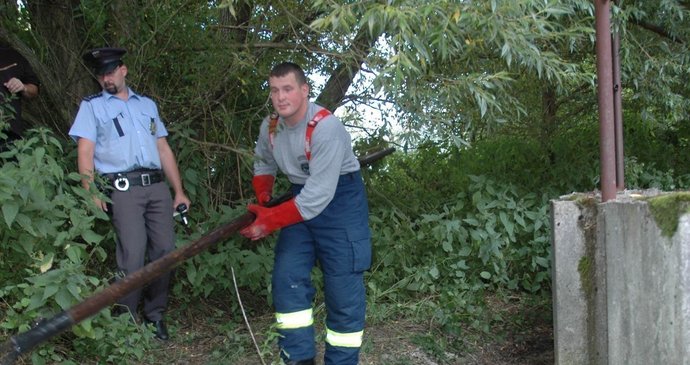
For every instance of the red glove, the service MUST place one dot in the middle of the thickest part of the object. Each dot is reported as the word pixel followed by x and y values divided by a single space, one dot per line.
pixel 270 219
pixel 263 187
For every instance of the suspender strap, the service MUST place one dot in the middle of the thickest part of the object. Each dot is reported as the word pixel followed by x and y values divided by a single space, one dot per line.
pixel 310 129
pixel 273 125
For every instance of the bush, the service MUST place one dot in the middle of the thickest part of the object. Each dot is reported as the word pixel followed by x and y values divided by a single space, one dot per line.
pixel 51 253
pixel 491 236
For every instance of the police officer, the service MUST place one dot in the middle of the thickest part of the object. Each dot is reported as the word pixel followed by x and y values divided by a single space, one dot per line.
pixel 120 136
pixel 327 220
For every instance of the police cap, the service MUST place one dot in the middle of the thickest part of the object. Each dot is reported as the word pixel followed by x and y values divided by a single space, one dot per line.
pixel 104 60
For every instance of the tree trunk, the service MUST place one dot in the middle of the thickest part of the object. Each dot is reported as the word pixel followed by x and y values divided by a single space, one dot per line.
pixel 333 93
pixel 64 80
pixel 549 109
pixel 235 28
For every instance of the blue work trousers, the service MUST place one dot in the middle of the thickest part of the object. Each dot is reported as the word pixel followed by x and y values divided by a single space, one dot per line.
pixel 340 239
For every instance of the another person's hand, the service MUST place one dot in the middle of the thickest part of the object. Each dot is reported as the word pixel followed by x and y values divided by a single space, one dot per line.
pixel 14 85
pixel 269 220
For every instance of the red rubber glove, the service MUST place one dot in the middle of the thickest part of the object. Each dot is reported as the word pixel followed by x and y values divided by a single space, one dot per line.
pixel 270 219
pixel 263 188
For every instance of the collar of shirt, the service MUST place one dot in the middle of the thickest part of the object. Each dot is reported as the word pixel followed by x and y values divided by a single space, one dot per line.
pixel 130 94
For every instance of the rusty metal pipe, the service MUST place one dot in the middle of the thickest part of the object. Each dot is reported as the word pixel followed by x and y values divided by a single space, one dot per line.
pixel 618 111
pixel 607 145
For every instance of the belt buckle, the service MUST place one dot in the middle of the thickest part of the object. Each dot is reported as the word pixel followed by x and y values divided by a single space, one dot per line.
pixel 121 183
pixel 145 179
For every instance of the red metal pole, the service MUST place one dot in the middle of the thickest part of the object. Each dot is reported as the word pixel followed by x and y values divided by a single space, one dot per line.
pixel 618 111
pixel 607 143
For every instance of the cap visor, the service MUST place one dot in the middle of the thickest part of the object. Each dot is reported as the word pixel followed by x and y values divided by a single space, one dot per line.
pixel 107 68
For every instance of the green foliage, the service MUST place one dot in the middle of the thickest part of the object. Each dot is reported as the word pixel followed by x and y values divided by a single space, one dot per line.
pixel 508 159
pixel 452 66
pixel 210 272
pixel 44 214
pixel 485 237
pixel 51 252
pixel 659 92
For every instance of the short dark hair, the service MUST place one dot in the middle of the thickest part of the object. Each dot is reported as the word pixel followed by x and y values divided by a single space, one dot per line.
pixel 284 68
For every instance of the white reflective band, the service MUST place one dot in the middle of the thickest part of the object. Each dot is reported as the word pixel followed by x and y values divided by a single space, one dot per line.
pixel 295 319
pixel 353 339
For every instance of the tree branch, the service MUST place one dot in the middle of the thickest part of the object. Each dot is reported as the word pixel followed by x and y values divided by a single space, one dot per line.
pixel 657 29
pixel 341 79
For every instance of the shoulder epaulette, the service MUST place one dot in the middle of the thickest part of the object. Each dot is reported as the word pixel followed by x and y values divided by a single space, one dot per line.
pixel 91 97
pixel 143 96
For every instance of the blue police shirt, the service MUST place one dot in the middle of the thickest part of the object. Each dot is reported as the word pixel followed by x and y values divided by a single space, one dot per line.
pixel 125 132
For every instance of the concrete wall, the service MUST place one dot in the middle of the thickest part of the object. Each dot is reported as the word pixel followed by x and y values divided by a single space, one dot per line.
pixel 621 290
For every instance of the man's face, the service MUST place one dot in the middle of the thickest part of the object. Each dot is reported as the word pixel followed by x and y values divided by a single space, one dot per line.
pixel 114 81
pixel 289 98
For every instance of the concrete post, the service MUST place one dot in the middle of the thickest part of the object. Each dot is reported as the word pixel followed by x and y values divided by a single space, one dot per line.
pixel 621 286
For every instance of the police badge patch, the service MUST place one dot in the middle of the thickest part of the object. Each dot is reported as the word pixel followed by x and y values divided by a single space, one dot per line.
pixel 152 127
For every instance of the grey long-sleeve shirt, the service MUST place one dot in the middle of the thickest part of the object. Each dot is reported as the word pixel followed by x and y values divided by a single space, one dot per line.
pixel 331 156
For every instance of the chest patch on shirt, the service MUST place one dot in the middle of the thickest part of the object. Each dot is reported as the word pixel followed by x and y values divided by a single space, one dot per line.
pixel 152 127
pixel 304 164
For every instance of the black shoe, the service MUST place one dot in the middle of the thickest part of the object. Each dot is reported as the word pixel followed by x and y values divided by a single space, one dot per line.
pixel 159 329
pixel 301 362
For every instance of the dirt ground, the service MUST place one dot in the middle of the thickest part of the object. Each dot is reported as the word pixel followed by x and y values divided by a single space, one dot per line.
pixel 202 334
pixel 199 338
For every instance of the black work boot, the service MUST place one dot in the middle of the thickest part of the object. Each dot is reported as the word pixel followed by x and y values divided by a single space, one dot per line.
pixel 159 329
pixel 300 362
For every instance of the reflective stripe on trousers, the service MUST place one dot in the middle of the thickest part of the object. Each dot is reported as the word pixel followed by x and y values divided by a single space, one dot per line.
pixel 353 339
pixel 295 319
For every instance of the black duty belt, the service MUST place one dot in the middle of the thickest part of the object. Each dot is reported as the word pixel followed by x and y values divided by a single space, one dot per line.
pixel 123 180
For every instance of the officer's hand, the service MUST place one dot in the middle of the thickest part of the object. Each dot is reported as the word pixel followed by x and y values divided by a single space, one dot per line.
pixel 181 199
pixel 100 204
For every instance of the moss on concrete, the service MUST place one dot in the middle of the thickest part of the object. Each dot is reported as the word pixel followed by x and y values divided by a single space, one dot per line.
pixel 587 269
pixel 587 222
pixel 585 200
pixel 584 268
pixel 667 209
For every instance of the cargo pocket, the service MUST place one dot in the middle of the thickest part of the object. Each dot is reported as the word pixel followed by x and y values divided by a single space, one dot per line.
pixel 360 239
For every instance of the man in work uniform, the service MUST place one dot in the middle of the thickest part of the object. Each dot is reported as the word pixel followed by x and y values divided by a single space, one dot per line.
pixel 18 79
pixel 121 136
pixel 326 220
